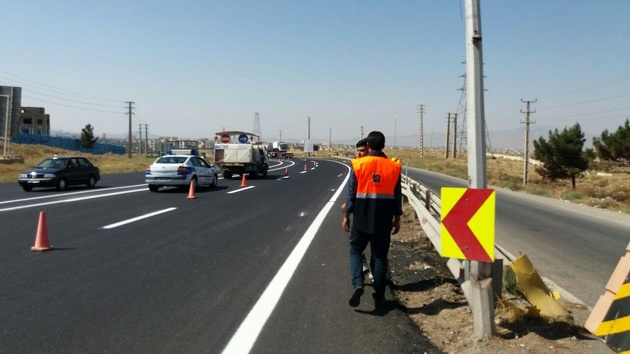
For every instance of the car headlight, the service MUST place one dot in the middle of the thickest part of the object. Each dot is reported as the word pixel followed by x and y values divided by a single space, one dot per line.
pixel 49 175
pixel 23 175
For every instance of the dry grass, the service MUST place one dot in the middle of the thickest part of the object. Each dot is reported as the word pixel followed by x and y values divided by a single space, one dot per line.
pixel 33 154
pixel 606 186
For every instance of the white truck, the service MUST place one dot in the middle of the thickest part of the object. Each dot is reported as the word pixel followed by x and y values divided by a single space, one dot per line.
pixel 237 152
pixel 278 149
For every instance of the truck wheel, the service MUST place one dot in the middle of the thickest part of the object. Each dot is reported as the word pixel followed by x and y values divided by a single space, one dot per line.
pixel 253 174
pixel 227 175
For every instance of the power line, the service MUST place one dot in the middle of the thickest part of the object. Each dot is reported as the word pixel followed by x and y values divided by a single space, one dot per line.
pixel 15 77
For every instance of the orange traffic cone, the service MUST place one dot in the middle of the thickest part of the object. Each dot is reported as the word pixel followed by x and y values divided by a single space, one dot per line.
pixel 191 191
pixel 41 238
pixel 243 182
pixel 286 171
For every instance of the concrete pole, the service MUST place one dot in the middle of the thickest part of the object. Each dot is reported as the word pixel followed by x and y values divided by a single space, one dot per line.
pixel 479 278
pixel 448 136
pixel 526 157
pixel 455 136
pixel 7 116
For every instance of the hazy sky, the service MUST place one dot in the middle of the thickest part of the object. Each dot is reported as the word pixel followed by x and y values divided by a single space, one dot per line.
pixel 195 67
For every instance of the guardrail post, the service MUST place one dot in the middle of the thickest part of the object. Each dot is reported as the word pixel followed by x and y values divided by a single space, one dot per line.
pixel 427 200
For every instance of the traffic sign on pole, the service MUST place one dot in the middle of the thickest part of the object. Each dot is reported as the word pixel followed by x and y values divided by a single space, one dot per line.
pixel 467 230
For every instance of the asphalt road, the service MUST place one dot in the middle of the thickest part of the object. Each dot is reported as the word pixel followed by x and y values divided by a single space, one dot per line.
pixel 261 268
pixel 576 247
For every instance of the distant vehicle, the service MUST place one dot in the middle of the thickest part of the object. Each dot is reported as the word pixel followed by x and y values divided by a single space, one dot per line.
pixel 278 149
pixel 180 168
pixel 60 172
pixel 237 152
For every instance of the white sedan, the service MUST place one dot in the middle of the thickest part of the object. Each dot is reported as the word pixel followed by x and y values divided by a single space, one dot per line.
pixel 180 171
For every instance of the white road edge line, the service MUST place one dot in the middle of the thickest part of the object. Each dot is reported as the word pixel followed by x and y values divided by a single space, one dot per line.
pixel 72 200
pixel 247 333
pixel 72 193
pixel 129 221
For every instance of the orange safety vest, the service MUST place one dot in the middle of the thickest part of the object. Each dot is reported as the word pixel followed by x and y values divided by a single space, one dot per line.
pixel 376 179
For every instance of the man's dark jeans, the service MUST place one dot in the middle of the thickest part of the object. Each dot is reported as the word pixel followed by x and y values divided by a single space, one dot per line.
pixel 379 248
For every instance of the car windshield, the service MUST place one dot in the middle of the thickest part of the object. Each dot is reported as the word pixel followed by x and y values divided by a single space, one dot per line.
pixel 171 159
pixel 53 163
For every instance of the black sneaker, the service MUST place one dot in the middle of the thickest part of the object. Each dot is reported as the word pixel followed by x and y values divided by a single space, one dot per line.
pixel 379 301
pixel 355 300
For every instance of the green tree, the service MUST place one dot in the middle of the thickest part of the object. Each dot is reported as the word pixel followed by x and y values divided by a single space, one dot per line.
pixel 561 156
pixel 614 146
pixel 87 137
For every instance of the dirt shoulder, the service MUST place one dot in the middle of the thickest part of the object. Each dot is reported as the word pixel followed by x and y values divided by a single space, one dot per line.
pixel 430 295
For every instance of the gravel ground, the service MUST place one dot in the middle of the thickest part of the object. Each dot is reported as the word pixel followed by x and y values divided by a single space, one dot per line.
pixel 426 290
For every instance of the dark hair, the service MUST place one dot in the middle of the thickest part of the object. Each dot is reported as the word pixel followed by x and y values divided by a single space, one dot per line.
pixel 362 142
pixel 376 140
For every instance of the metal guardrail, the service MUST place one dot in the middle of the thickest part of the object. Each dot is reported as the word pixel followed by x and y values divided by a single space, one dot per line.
pixel 428 206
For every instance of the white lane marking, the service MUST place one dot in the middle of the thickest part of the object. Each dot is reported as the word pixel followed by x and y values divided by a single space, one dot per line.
pixel 339 175
pixel 303 172
pixel 291 163
pixel 247 333
pixel 281 178
pixel 240 189
pixel 73 193
pixel 128 221
pixel 72 200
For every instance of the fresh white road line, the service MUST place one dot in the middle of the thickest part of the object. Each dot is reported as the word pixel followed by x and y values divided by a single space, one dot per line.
pixel 291 163
pixel 72 193
pixel 72 200
pixel 303 172
pixel 247 333
pixel 129 221
pixel 240 189
pixel 281 178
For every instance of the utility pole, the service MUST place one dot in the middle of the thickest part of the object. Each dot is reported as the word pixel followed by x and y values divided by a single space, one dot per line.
pixel 308 139
pixel 448 133
pixel 527 123
pixel 308 122
pixel 7 119
pixel 140 141
pixel 478 274
pixel 146 139
pixel 130 112
pixel 455 136
pixel 421 110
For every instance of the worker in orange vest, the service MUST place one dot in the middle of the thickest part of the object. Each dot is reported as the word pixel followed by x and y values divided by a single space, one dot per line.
pixel 375 199
pixel 362 150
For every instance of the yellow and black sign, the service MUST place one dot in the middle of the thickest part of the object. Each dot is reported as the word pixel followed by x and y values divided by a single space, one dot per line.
pixel 610 318
pixel 615 328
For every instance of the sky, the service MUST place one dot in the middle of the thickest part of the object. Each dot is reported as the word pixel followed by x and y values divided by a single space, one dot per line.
pixel 194 68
